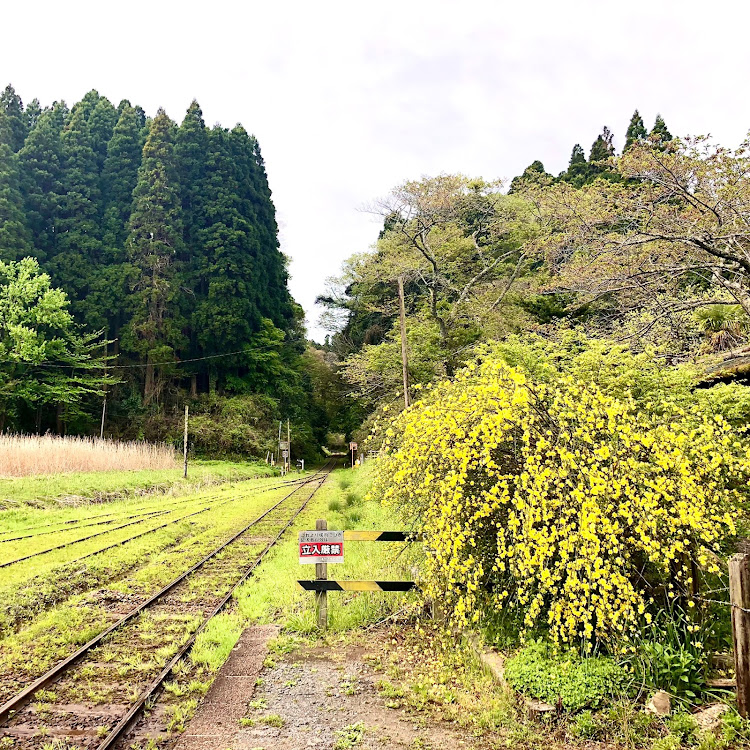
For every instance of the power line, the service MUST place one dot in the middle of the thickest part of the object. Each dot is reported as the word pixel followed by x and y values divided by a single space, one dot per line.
pixel 147 364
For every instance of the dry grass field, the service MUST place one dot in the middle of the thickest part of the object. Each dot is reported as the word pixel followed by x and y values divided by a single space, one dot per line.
pixel 24 455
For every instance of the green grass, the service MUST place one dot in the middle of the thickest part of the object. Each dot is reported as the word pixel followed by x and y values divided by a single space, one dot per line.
pixel 136 568
pixel 43 490
pixel 273 596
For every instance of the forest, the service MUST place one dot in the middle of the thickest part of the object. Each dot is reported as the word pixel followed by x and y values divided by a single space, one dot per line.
pixel 605 249
pixel 163 239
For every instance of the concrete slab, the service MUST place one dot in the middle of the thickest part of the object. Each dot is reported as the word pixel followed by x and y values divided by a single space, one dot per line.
pixel 217 719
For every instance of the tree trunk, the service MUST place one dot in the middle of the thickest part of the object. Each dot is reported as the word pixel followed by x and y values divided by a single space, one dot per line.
pixel 193 386
pixel 59 419
pixel 149 385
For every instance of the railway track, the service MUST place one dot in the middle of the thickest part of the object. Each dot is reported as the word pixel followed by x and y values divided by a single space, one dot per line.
pixel 96 518
pixel 140 518
pixel 226 566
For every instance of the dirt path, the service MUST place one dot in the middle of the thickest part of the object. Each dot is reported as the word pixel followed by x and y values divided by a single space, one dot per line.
pixel 313 698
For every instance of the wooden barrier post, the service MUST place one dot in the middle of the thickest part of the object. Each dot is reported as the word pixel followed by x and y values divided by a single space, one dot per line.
pixel 321 574
pixel 739 597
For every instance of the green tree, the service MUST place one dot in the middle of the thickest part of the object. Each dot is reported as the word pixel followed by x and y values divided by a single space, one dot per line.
pixel 600 157
pixel 155 240
pixel 190 151
pixel 33 111
pixel 533 174
pixel 226 313
pixel 119 177
pixel 101 122
pixel 16 119
pixel 636 131
pixel 15 240
pixel 44 359
pixel 41 161
pixel 660 132
pixel 578 167
pixel 603 147
pixel 77 227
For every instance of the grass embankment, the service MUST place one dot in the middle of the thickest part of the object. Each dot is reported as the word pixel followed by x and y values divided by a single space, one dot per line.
pixel 61 490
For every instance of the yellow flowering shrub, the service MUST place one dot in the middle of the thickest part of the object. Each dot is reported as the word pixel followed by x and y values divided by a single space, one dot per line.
pixel 572 505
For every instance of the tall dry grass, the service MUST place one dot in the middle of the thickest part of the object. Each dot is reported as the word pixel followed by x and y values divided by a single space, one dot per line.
pixel 23 455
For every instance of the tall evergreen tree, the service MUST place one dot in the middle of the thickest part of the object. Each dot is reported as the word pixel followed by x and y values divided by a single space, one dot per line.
pixel 16 120
pixel 15 240
pixel 155 240
pixel 227 313
pixel 33 111
pixel 41 171
pixel 603 147
pixel 278 305
pixel 636 131
pixel 77 253
pixel 190 152
pixel 577 170
pixel 119 177
pixel 602 150
pixel 101 123
pixel 660 133
pixel 88 103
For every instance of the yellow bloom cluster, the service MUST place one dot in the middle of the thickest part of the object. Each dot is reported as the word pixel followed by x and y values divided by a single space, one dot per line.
pixel 558 499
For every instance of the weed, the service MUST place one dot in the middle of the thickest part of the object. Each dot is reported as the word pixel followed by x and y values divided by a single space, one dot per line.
pixel 272 720
pixel 349 736
pixel 388 690
pixel 576 682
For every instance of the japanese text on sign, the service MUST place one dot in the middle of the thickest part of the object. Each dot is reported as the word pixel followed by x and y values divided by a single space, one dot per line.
pixel 321 546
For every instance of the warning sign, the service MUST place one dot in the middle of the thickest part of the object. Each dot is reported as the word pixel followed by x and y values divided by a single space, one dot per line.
pixel 321 547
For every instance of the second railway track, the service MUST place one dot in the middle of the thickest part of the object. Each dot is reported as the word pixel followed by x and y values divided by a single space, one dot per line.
pixel 125 665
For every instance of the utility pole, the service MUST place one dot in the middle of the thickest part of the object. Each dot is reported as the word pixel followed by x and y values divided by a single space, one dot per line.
pixel 404 359
pixel 289 444
pixel 104 403
pixel 185 442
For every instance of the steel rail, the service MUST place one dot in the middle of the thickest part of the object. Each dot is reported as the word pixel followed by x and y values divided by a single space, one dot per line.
pixel 130 717
pixel 82 526
pixel 109 515
pixel 71 542
pixel 124 518
pixel 168 523
pixel 21 698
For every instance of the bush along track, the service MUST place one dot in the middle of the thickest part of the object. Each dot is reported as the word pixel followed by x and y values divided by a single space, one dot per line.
pixel 131 654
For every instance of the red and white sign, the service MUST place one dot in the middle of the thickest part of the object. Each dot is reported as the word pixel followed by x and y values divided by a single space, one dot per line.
pixel 321 547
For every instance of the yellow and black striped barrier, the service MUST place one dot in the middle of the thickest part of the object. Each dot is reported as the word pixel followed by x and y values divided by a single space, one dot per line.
pixel 324 585
pixel 382 536
pixel 317 546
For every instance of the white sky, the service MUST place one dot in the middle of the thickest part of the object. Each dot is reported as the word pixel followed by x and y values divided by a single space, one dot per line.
pixel 351 98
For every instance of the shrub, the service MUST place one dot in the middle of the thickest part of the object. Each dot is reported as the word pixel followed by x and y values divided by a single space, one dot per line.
pixel 575 682
pixel 561 494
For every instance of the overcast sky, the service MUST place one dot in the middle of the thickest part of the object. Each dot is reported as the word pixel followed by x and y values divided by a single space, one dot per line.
pixel 351 98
